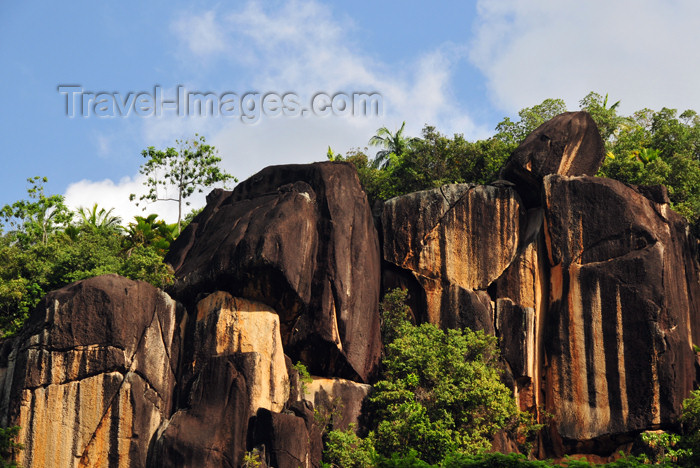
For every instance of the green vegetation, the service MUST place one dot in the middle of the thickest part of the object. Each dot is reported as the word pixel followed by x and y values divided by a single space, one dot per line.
pixel 252 459
pixel 188 169
pixel 652 148
pixel 645 148
pixel 48 249
pixel 8 446
pixel 304 377
pixel 530 118
pixel 345 449
pixel 44 246
pixel 428 162
pixel 440 393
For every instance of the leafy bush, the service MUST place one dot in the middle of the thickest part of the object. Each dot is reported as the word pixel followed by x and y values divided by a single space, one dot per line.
pixel 8 446
pixel 441 390
pixel 344 449
pixel 304 377
pixel 45 250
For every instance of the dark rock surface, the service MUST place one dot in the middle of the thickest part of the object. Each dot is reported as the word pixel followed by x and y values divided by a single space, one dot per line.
pixel 91 376
pixel 301 239
pixel 622 312
pixel 448 244
pixel 211 431
pixel 291 439
pixel 568 144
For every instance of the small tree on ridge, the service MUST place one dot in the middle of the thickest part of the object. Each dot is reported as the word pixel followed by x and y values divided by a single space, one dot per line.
pixel 189 169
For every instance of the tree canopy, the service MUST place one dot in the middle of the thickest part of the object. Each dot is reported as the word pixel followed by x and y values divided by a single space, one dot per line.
pixel 186 170
pixel 48 246
pixel 644 148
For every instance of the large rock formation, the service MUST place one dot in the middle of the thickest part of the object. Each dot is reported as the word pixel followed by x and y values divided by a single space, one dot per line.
pixel 622 316
pixel 238 370
pixel 591 286
pixel 91 376
pixel 568 144
pixel 211 430
pixel 291 439
pixel 228 325
pixel 522 299
pixel 451 243
pixel 301 239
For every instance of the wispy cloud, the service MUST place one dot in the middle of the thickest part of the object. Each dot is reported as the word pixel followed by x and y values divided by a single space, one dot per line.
pixel 302 47
pixel 639 51
pixel 201 34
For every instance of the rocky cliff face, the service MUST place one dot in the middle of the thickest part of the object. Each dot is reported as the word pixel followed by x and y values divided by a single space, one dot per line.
pixel 591 286
pixel 622 318
pixel 300 239
pixel 91 376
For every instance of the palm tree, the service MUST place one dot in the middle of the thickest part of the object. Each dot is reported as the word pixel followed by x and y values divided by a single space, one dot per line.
pixel 101 220
pixel 393 143
pixel 150 232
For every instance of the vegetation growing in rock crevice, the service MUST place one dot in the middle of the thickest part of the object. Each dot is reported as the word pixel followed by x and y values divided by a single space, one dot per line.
pixel 440 393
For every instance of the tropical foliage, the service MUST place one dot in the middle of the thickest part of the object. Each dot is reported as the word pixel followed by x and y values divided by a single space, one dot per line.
pixel 48 247
pixel 189 169
pixel 440 393
pixel 644 148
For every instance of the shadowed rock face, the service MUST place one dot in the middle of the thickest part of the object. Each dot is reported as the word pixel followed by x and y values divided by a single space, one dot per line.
pixel 211 431
pixel 90 378
pixel 568 144
pixel 343 396
pixel 622 311
pixel 291 439
pixel 450 243
pixel 301 239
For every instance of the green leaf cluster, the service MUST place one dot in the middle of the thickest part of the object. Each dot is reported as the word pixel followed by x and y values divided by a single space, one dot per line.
pixel 513 133
pixel 427 162
pixel 185 170
pixel 45 252
pixel 441 393
pixel 659 148
pixel 8 446
pixel 344 449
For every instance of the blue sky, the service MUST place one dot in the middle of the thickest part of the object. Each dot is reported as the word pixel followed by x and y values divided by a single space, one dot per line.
pixel 461 66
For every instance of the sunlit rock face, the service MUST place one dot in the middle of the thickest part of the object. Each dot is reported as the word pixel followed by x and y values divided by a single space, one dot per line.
pixel 569 144
pixel 521 306
pixel 91 376
pixel 301 239
pixel 451 243
pixel 228 325
pixel 622 308
pixel 339 396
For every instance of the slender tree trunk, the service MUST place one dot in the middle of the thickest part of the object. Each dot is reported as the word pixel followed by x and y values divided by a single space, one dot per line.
pixel 179 211
pixel 179 201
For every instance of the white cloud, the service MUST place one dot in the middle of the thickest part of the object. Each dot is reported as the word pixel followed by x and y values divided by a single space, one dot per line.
pixel 299 47
pixel 200 33
pixel 108 194
pixel 642 52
